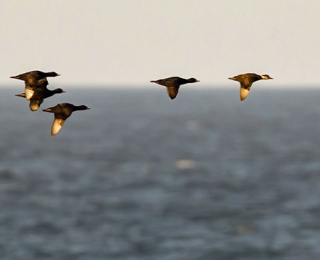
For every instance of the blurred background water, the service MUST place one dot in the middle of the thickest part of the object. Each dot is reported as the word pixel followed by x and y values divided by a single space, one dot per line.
pixel 140 176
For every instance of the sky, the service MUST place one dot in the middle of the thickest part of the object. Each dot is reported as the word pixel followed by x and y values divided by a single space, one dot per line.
pixel 130 42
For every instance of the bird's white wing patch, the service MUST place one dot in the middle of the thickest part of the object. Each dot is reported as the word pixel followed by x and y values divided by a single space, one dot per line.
pixel 56 125
pixel 29 93
pixel 35 104
pixel 244 93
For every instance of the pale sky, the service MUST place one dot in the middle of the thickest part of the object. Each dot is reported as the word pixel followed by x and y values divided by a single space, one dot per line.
pixel 130 42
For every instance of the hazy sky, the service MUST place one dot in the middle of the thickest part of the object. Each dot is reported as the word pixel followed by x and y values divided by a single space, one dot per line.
pixel 133 41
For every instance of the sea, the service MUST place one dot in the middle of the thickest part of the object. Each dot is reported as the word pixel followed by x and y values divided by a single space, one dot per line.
pixel 142 177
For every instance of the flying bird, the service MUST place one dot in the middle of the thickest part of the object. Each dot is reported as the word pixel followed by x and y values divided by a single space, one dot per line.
pixel 40 92
pixel 61 112
pixel 173 84
pixel 246 81
pixel 32 79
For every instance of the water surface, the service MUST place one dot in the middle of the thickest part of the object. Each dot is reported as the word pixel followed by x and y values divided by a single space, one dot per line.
pixel 140 176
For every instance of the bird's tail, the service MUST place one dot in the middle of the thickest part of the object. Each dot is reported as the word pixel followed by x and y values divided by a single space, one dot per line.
pixel 47 110
pixel 15 77
pixel 21 95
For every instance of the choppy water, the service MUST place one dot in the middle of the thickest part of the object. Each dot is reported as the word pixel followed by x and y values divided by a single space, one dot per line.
pixel 142 177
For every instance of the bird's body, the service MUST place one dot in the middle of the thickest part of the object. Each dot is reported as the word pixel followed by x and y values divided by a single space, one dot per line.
pixel 173 84
pixel 61 112
pixel 34 79
pixel 39 93
pixel 246 81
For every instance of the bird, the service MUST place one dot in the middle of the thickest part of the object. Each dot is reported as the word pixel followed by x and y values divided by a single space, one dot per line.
pixel 246 81
pixel 33 79
pixel 173 84
pixel 61 112
pixel 40 93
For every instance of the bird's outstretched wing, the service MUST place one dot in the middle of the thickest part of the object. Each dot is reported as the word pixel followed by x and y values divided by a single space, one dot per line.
pixel 244 92
pixel 172 92
pixel 35 104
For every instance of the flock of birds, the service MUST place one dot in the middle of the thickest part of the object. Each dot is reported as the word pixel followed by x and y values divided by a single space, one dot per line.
pixel 36 91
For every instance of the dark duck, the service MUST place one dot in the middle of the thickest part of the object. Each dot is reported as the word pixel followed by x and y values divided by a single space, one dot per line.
pixel 173 84
pixel 32 79
pixel 40 93
pixel 246 81
pixel 61 112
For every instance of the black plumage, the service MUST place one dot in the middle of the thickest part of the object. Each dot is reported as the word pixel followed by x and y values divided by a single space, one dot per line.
pixel 173 84
pixel 34 79
pixel 40 92
pixel 246 81
pixel 61 112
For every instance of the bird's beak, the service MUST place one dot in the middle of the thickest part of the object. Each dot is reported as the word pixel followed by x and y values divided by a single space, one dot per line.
pixel 63 91
pixel 197 80
pixel 232 78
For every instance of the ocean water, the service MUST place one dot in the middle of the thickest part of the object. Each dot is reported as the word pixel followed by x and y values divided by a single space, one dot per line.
pixel 140 176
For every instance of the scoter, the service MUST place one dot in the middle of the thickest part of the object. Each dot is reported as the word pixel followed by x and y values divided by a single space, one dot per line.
pixel 246 81
pixel 61 112
pixel 173 84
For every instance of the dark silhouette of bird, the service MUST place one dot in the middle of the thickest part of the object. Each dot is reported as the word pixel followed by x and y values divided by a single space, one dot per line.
pixel 40 92
pixel 246 81
pixel 33 79
pixel 173 84
pixel 61 112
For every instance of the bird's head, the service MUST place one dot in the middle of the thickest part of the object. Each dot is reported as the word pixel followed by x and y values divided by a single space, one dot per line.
pixel 266 77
